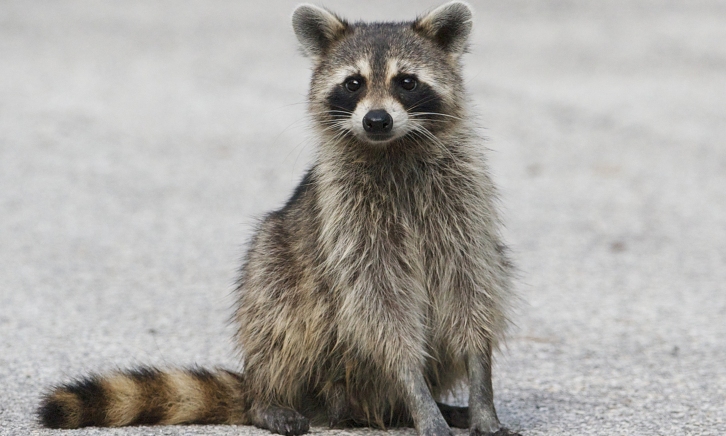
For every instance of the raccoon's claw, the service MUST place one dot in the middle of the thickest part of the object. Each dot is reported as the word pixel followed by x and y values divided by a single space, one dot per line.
pixel 290 423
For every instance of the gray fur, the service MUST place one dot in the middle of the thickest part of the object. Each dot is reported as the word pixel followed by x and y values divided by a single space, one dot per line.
pixel 383 283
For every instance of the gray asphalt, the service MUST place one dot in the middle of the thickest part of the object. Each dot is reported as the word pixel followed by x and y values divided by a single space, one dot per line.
pixel 140 140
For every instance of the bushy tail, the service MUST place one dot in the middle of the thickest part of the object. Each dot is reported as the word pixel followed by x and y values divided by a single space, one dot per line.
pixel 147 396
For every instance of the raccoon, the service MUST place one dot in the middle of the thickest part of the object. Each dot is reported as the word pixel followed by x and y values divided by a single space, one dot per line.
pixel 381 285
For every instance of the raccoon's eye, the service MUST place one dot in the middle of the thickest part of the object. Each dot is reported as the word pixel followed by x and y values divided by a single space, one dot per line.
pixel 352 84
pixel 408 83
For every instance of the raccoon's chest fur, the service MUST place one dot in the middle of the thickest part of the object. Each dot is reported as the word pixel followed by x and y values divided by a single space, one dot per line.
pixel 408 250
pixel 423 221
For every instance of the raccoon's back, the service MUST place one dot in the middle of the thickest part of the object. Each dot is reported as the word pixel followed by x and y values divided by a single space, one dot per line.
pixel 146 396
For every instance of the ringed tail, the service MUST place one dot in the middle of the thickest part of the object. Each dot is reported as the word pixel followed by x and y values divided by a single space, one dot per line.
pixel 146 396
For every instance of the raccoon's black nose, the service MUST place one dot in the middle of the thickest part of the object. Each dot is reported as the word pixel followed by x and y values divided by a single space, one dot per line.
pixel 378 121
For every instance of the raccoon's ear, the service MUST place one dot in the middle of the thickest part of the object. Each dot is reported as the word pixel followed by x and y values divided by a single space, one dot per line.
pixel 448 26
pixel 316 28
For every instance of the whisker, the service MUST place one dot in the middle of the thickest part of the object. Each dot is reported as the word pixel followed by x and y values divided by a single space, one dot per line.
pixel 430 120
pixel 417 114
pixel 422 102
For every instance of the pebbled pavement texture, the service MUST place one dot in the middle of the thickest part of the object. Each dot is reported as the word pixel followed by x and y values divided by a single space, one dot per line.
pixel 139 140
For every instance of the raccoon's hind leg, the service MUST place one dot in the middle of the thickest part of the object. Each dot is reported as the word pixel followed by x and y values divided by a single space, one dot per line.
pixel 280 420
pixel 336 403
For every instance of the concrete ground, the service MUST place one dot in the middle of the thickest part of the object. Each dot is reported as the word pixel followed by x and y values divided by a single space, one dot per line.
pixel 140 139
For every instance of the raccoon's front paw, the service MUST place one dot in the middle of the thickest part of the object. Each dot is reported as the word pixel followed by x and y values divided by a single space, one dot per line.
pixel 287 422
pixel 434 428
pixel 484 422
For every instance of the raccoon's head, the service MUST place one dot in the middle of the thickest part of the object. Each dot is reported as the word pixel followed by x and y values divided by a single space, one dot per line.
pixel 378 83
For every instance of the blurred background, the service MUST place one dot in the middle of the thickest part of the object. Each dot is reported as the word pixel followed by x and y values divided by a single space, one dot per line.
pixel 140 141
